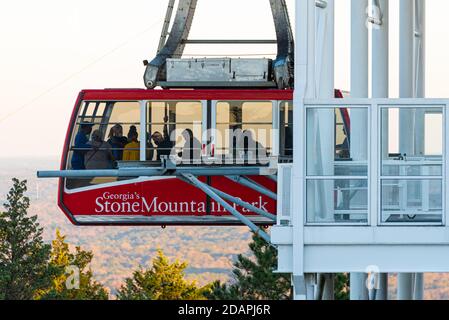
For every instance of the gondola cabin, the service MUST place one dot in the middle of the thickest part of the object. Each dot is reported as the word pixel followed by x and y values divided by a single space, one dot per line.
pixel 112 129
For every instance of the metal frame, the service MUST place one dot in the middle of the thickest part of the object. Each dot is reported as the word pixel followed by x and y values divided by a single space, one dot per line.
pixel 247 182
pixel 375 107
pixel 163 171
pixel 333 106
pixel 418 105
pixel 189 175
pixel 173 46
pixel 219 198
pixel 274 124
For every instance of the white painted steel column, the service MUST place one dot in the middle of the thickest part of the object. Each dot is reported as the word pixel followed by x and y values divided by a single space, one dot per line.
pixel 321 123
pixel 380 86
pixel 304 87
pixel 419 71
pixel 420 92
pixel 406 116
pixel 359 78
pixel 380 51
pixel 420 48
pixel 405 286
pixel 359 118
pixel 324 123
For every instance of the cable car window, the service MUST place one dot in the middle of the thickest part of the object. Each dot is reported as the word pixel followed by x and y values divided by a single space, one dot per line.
pixel 244 129
pixel 104 134
pixel 89 109
pixel 174 128
pixel 286 129
pixel 341 136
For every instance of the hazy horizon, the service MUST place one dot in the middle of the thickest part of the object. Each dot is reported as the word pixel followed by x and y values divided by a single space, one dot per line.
pixel 53 50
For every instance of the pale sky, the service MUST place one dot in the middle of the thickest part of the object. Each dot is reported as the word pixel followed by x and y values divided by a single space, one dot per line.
pixel 52 49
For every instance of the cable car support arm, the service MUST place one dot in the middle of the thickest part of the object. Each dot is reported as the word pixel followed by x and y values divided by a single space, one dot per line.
pixel 189 175
pixel 177 38
pixel 207 190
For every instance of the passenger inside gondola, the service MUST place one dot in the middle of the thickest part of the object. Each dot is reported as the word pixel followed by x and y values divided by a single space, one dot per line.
pixel 132 131
pixel 81 146
pixel 253 150
pixel 191 151
pixel 117 141
pixel 100 155
pixel 150 148
pixel 163 143
pixel 132 149
pixel 288 147
pixel 343 150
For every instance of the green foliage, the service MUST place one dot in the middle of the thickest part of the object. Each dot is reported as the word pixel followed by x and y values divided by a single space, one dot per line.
pixel 163 281
pixel 64 260
pixel 23 254
pixel 341 286
pixel 254 279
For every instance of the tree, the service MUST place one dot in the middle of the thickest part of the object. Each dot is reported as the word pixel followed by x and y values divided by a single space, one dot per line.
pixel 163 281
pixel 254 278
pixel 72 266
pixel 341 287
pixel 23 255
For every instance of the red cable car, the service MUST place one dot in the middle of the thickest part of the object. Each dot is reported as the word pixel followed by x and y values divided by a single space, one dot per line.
pixel 185 156
pixel 168 200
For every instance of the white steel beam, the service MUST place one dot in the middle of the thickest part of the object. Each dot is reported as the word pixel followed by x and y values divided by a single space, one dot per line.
pixel 406 116
pixel 359 89
pixel 304 88
pixel 380 89
pixel 324 124
pixel 420 92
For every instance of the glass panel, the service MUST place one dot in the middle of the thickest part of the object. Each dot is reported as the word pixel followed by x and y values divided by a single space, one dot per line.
pixel 244 130
pixel 433 134
pixel 286 129
pixel 401 168
pixel 412 201
pixel 92 112
pixel 337 201
pixel 174 128
pixel 104 134
pixel 257 112
pixel 89 108
pixel 412 141
pixel 101 109
pixel 337 142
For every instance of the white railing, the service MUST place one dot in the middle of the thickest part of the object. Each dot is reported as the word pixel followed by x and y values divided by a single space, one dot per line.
pixel 409 189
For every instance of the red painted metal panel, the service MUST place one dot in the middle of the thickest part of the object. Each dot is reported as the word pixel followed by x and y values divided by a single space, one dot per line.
pixel 141 94
pixel 64 156
pixel 161 198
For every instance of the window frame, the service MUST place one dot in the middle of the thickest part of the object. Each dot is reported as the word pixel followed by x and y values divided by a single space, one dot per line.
pixel 444 163
pixel 80 113
pixel 275 116
pixel 308 177
pixel 144 124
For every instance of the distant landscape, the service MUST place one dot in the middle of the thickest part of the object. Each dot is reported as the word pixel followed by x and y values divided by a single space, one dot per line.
pixel 210 251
